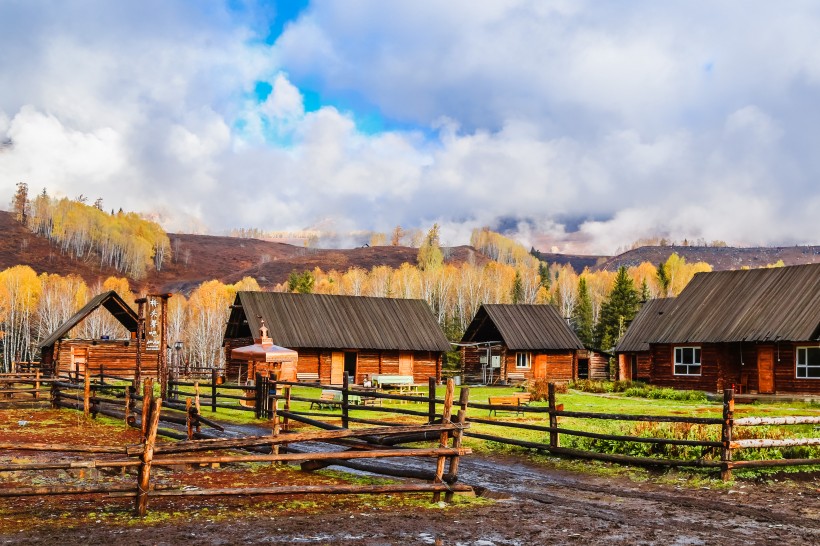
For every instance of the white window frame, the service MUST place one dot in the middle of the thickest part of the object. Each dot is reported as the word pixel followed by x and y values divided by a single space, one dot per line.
pixel 697 361
pixel 527 357
pixel 805 366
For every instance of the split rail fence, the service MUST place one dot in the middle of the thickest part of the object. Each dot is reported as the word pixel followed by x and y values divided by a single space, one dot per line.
pixel 270 399
pixel 119 400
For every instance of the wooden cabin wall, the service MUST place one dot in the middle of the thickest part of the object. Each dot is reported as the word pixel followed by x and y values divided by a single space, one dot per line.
pixel 644 366
pixel 471 365
pixel 598 366
pixel 549 365
pixel 235 368
pixel 115 357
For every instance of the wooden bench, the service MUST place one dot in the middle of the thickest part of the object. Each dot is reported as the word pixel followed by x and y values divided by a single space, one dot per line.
pixel 512 401
pixel 516 378
pixel 524 398
pixel 328 400
pixel 307 377
pixel 385 380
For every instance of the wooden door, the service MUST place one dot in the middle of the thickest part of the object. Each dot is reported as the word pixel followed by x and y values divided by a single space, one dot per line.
pixel 337 368
pixel 79 360
pixel 765 370
pixel 539 366
pixel 405 363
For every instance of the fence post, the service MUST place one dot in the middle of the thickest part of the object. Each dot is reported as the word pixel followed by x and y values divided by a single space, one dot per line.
pixel 55 396
pixel 461 418
pixel 147 402
pixel 87 394
pixel 553 417
pixel 726 434
pixel 431 400
pixel 257 392
pixel 102 374
pixel 286 421
pixel 345 400
pixel 127 409
pixel 213 390
pixel 37 383
pixel 147 457
pixel 188 422
pixel 444 437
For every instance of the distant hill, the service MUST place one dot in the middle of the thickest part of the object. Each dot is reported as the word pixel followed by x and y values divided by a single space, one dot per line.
pixel 720 258
pixel 577 261
pixel 198 258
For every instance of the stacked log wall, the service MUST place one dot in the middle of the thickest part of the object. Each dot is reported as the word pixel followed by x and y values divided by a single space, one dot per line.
pixel 114 357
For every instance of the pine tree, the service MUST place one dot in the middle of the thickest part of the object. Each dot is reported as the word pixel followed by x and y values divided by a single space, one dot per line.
pixel 663 279
pixel 517 292
pixel 544 275
pixel 301 283
pixel 617 311
pixel 645 295
pixel 582 314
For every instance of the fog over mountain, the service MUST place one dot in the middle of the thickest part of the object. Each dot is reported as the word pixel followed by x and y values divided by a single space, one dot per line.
pixel 576 125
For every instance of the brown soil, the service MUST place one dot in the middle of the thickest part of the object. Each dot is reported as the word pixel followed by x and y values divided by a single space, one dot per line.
pixel 536 503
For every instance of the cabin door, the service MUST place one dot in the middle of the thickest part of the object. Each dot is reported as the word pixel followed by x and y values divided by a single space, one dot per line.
pixel 79 360
pixel 337 368
pixel 539 366
pixel 405 363
pixel 765 370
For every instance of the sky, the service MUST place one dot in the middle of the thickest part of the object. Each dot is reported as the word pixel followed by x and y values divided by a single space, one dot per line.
pixel 572 125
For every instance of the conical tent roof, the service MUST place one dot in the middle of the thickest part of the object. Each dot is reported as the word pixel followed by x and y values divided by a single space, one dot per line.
pixel 263 350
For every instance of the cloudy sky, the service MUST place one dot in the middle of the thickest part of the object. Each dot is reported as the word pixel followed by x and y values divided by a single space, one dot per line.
pixel 577 125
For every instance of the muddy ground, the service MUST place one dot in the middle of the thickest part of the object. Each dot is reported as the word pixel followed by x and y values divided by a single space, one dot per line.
pixel 534 502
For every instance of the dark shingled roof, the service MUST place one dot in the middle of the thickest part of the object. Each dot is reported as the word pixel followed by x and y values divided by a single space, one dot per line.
pixel 523 327
pixel 337 322
pixel 764 305
pixel 111 301
pixel 642 329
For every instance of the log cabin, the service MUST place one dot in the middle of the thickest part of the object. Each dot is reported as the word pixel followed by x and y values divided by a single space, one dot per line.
pixel 334 335
pixel 510 342
pixel 755 330
pixel 632 351
pixel 62 354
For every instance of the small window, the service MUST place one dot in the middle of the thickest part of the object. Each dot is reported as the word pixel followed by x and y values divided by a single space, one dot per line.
pixel 522 360
pixel 808 362
pixel 687 360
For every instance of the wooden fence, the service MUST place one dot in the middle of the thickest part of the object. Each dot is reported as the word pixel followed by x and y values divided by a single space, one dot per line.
pixel 357 443
pixel 268 399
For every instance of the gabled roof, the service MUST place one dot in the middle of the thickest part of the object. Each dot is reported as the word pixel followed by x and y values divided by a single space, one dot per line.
pixel 337 322
pixel 643 327
pixel 522 327
pixel 111 301
pixel 763 305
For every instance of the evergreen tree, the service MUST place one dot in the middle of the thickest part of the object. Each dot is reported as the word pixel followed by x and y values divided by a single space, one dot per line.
pixel 663 279
pixel 517 292
pixel 582 314
pixel 544 275
pixel 645 295
pixel 301 283
pixel 617 311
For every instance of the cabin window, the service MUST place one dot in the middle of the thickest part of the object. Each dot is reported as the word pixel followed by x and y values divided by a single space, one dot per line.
pixel 523 360
pixel 808 362
pixel 687 360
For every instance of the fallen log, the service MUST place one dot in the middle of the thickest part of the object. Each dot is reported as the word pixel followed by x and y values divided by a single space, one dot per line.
pixel 315 490
pixel 230 443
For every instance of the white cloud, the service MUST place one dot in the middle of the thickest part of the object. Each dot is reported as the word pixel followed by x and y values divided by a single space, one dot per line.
pixel 587 125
